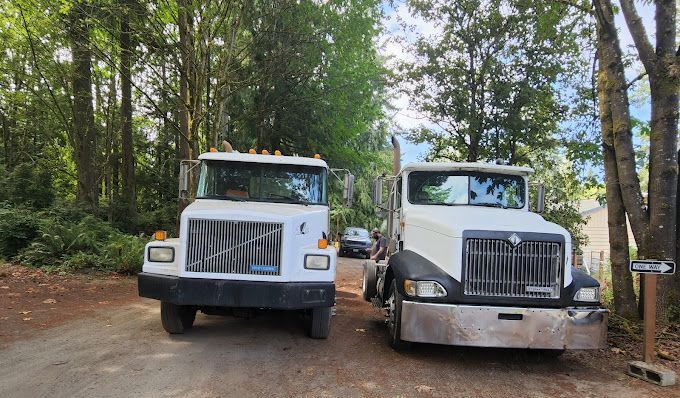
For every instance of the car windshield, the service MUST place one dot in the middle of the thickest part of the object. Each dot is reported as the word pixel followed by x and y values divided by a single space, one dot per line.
pixel 455 188
pixel 262 182
pixel 356 233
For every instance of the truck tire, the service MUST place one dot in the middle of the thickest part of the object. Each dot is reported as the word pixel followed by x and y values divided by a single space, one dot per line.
pixel 320 325
pixel 368 286
pixel 174 317
pixel 188 316
pixel 394 319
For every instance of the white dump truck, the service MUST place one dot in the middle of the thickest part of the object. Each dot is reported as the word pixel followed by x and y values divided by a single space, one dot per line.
pixel 471 265
pixel 254 237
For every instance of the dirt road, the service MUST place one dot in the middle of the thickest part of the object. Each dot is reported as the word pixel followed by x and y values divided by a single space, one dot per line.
pixel 122 351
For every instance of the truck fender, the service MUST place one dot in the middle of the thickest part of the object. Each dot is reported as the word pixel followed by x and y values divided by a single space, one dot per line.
pixel 410 265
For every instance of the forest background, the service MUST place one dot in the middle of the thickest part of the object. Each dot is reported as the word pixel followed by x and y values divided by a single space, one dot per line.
pixel 99 100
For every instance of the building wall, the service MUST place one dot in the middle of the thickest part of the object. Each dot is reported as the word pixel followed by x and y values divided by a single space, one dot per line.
pixel 597 231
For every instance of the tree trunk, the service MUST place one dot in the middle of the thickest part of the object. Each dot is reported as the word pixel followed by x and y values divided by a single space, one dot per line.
pixel 186 44
pixel 127 149
pixel 662 63
pixel 613 112
pixel 84 132
pixel 663 184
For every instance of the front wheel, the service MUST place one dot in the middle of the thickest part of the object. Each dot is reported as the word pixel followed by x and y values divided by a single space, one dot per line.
pixel 394 319
pixel 176 318
pixel 320 325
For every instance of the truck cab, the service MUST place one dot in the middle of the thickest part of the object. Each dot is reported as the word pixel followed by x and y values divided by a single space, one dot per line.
pixel 254 237
pixel 471 265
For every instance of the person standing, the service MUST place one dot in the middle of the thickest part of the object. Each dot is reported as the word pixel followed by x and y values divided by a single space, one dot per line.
pixel 380 248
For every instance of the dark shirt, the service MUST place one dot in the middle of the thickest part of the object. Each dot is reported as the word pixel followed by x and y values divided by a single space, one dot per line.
pixel 381 242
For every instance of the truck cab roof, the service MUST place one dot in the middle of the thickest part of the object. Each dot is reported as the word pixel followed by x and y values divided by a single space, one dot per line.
pixel 258 158
pixel 466 166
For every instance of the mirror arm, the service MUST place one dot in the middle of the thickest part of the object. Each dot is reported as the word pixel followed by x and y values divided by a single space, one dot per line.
pixel 335 172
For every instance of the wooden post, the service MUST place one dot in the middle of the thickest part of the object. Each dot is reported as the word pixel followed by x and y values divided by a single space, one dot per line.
pixel 648 352
pixel 600 270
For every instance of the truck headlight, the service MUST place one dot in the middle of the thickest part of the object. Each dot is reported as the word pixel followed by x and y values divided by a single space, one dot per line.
pixel 590 294
pixel 313 261
pixel 424 288
pixel 161 254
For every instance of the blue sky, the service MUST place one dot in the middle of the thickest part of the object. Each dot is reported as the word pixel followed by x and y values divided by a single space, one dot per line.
pixel 404 117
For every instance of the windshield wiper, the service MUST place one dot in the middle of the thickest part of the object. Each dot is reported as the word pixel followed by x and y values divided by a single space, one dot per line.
pixel 222 197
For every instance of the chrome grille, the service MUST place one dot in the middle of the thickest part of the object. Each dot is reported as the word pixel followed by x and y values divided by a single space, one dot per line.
pixel 234 247
pixel 493 267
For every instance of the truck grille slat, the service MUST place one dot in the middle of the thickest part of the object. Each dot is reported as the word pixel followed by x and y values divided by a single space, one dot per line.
pixel 493 267
pixel 234 247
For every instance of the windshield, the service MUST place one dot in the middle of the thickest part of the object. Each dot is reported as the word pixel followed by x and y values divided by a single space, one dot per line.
pixel 455 188
pixel 262 182
pixel 356 233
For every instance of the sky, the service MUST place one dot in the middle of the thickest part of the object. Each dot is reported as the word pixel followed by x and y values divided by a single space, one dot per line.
pixel 404 117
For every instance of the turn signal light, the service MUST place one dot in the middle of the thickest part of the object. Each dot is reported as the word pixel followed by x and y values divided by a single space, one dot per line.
pixel 251 151
pixel 322 243
pixel 160 235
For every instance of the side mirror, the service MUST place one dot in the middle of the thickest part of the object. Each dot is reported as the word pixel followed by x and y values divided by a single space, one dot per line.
pixel 377 191
pixel 185 170
pixel 348 189
pixel 540 198
pixel 184 179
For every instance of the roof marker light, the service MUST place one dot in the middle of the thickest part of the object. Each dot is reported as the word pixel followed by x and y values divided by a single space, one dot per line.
pixel 213 149
pixel 251 151
pixel 317 156
pixel 277 153
pixel 265 152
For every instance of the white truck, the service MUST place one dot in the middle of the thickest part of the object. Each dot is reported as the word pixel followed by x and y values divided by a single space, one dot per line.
pixel 255 237
pixel 471 265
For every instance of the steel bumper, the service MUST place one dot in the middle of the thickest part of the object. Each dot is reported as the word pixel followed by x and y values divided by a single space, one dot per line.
pixel 236 294
pixel 467 325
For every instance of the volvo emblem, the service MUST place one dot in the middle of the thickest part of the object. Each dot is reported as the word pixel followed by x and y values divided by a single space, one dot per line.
pixel 514 240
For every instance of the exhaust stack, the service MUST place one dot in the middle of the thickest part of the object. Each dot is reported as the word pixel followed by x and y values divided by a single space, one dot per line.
pixel 396 160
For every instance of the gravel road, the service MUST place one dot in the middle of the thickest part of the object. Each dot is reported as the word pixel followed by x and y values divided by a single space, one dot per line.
pixel 123 352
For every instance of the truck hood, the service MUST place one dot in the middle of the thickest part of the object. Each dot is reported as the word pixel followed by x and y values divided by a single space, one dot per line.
pixel 453 220
pixel 306 223
pixel 277 210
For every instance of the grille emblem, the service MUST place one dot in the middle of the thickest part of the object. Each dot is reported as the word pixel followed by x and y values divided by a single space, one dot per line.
pixel 514 240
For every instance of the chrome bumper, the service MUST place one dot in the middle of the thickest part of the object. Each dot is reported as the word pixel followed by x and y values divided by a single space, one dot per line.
pixel 480 326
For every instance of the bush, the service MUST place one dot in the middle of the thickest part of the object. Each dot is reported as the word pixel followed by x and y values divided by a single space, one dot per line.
pixel 125 254
pixel 87 244
pixel 28 184
pixel 18 227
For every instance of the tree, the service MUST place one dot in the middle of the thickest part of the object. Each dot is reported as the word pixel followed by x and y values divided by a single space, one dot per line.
pixel 488 81
pixel 126 49
pixel 654 225
pixel 83 127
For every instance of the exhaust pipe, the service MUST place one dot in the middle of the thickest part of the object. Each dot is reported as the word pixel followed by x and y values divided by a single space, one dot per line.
pixel 396 153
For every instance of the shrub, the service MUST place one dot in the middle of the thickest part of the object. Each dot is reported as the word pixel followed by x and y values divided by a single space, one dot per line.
pixel 124 253
pixel 18 227
pixel 29 184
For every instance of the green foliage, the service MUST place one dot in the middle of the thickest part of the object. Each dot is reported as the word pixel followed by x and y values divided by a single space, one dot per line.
pixel 28 184
pixel 63 243
pixel 562 193
pixel 490 81
pixel 18 227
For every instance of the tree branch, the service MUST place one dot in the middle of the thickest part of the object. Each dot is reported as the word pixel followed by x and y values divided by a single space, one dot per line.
pixel 640 38
pixel 638 78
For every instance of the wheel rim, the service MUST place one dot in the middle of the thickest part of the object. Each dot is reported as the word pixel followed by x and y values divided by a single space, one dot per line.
pixel 391 312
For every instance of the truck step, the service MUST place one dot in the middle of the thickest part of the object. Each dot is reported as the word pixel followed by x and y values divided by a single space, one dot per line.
pixel 653 373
